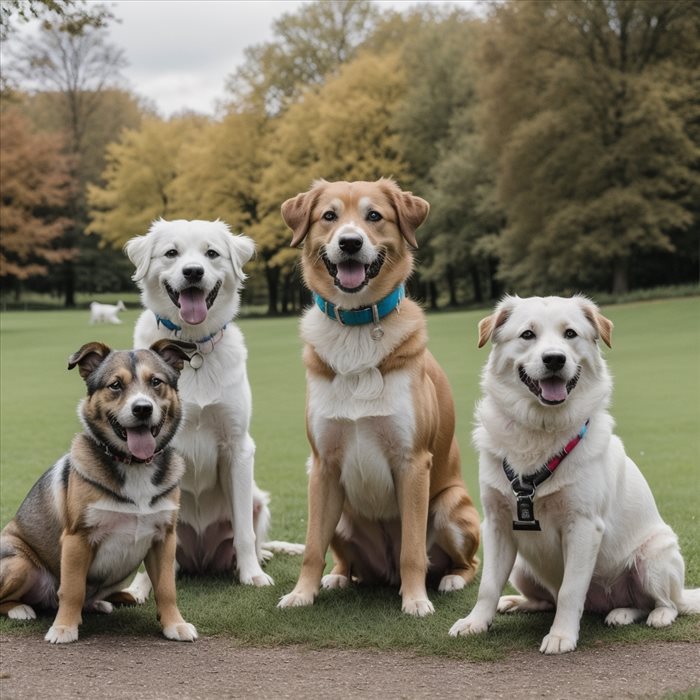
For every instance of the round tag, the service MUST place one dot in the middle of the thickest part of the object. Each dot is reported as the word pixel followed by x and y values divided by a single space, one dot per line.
pixel 196 361
pixel 377 333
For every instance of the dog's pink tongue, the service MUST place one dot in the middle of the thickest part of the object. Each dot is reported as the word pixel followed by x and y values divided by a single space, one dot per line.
pixel 193 305
pixel 351 274
pixel 553 389
pixel 141 443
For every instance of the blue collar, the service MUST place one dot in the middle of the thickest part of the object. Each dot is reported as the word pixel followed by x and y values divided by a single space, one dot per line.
pixel 167 323
pixel 365 314
pixel 160 320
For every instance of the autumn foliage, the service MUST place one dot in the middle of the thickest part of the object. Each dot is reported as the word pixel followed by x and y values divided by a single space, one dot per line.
pixel 35 188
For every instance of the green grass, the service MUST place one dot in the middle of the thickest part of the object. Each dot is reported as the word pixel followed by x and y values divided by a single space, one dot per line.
pixel 655 361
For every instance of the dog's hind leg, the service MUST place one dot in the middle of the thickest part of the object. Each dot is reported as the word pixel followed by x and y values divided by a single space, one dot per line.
pixel 339 577
pixel 456 531
pixel 18 576
pixel 135 594
pixel 534 598
pixel 662 572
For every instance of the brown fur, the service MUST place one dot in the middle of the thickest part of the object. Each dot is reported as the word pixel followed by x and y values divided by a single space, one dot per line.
pixel 431 495
pixel 62 527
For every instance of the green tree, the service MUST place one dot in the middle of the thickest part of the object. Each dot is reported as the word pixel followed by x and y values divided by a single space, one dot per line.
pixel 308 46
pixel 439 141
pixel 584 112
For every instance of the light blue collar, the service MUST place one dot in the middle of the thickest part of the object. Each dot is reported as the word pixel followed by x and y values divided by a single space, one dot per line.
pixel 160 320
pixel 365 314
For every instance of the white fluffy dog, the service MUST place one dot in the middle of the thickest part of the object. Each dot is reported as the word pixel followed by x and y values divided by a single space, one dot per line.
pixel 190 274
pixel 568 515
pixel 106 313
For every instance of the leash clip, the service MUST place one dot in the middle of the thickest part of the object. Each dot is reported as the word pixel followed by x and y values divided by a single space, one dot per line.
pixel 525 506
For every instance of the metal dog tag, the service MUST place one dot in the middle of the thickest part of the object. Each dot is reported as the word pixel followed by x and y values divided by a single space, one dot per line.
pixel 377 333
pixel 196 361
pixel 526 515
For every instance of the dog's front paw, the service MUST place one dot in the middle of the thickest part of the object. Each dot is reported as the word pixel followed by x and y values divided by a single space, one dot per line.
pixel 418 607
pixel 451 582
pixel 295 600
pixel 331 581
pixel 181 632
pixel 471 624
pixel 662 617
pixel 61 634
pixel 259 579
pixel 21 612
pixel 558 643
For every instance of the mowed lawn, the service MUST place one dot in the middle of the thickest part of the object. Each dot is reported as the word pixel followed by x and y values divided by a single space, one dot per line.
pixel 655 360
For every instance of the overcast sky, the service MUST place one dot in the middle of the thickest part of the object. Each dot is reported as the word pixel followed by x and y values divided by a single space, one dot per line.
pixel 180 52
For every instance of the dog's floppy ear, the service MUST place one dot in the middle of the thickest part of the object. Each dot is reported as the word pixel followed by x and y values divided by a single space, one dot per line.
pixel 296 212
pixel 241 249
pixel 411 211
pixel 89 358
pixel 139 251
pixel 174 352
pixel 603 326
pixel 489 325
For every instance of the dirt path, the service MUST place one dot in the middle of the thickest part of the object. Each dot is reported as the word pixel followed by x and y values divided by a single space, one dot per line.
pixel 151 668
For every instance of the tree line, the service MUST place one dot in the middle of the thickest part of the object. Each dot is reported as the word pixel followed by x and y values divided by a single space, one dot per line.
pixel 557 141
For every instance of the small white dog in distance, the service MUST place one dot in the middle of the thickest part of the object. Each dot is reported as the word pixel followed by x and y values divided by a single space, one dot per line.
pixel 106 313
pixel 190 274
pixel 576 531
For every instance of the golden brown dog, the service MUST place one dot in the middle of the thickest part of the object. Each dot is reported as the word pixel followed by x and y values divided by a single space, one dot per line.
pixel 385 488
pixel 108 504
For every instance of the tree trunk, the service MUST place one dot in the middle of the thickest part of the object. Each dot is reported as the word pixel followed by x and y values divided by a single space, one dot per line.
pixel 69 284
pixel 272 275
pixel 451 284
pixel 476 283
pixel 433 293
pixel 620 276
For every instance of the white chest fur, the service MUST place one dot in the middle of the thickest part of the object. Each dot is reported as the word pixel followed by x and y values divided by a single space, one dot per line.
pixel 123 533
pixel 361 420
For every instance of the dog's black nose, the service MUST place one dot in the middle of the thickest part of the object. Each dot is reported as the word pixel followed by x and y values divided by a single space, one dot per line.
pixel 193 273
pixel 350 244
pixel 142 409
pixel 554 361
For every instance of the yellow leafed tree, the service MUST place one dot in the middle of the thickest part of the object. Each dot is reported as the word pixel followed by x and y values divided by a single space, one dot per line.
pixel 138 178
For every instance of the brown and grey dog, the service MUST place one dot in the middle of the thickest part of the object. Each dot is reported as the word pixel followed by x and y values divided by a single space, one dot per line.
pixel 107 505
pixel 385 487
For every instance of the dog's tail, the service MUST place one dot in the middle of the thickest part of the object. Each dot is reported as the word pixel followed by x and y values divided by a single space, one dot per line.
pixel 689 603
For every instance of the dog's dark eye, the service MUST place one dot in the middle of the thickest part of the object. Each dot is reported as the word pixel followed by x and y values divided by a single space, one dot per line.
pixel 374 215
pixel 211 253
pixel 330 216
pixel 527 335
pixel 172 253
pixel 570 333
pixel 155 382
pixel 116 386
